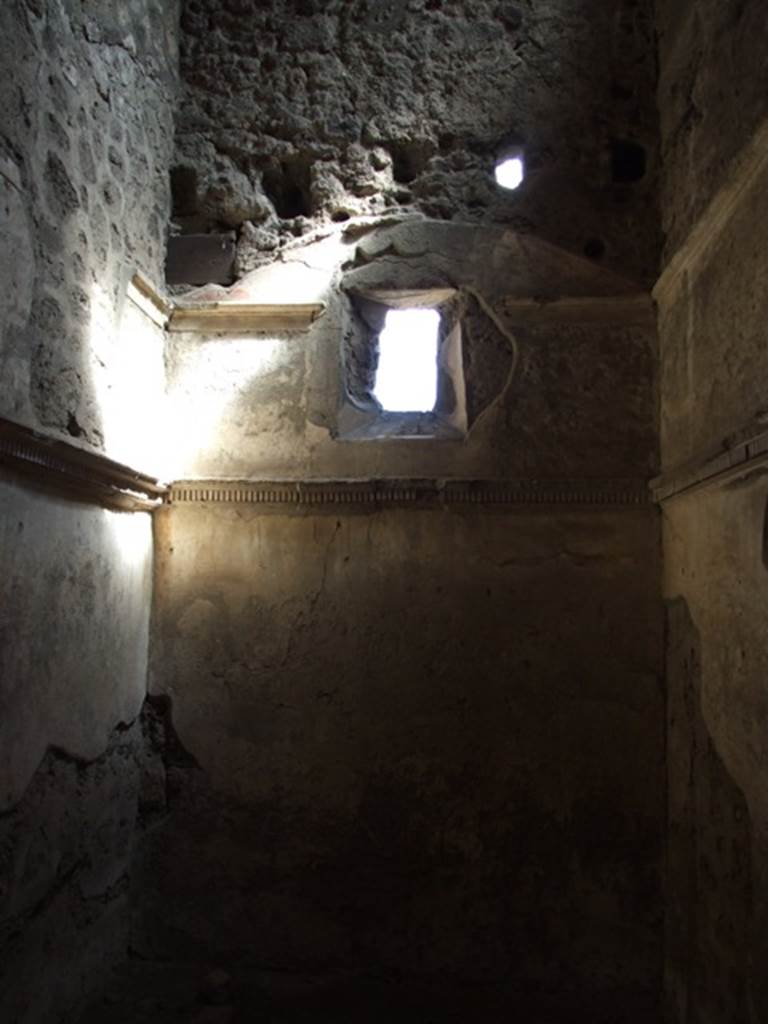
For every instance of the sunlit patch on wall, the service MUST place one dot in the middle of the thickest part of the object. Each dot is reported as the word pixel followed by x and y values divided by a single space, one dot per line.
pixel 211 375
pixel 406 378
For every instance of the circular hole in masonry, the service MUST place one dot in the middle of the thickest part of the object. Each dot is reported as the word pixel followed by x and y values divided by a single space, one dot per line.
pixel 510 172
pixel 339 216
pixel 628 161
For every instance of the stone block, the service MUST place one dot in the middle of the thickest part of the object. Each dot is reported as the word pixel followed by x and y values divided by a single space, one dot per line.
pixel 200 259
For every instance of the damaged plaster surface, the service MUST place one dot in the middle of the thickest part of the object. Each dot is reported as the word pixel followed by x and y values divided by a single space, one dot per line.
pixel 544 398
pixel 65 852
pixel 380 706
pixel 85 139
pixel 713 380
pixel 300 112
pixel 75 590
pixel 703 125
pixel 74 634
pixel 713 374
pixel 718 817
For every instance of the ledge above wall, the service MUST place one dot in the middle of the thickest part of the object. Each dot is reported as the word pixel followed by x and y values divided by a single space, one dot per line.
pixel 75 473
pixel 213 317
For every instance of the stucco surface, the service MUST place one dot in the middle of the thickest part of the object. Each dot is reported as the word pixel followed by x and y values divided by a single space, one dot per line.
pixel 713 372
pixel 716 583
pixel 712 98
pixel 713 379
pixel 86 132
pixel 425 742
pixel 555 399
pixel 75 588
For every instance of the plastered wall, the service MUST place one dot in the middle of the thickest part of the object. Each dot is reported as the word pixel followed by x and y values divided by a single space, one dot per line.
pixel 423 740
pixel 713 367
pixel 85 136
pixel 425 743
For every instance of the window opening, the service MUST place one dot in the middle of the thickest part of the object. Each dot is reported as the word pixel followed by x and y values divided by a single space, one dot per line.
pixel 406 378
pixel 510 172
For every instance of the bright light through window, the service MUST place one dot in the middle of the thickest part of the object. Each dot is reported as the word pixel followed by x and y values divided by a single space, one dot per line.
pixel 406 380
pixel 510 173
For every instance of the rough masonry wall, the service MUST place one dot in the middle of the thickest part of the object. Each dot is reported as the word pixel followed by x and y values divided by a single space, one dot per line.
pixel 298 113
pixel 425 742
pixel 713 381
pixel 85 139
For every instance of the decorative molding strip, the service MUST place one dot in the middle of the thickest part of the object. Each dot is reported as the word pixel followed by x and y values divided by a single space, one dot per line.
pixel 624 310
pixel 244 316
pixel 149 300
pixel 76 473
pixel 423 493
pixel 219 316
pixel 744 174
pixel 718 470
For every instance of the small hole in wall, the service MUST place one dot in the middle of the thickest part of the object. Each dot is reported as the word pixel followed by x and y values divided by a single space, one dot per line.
pixel 594 248
pixel 287 186
pixel 628 161
pixel 510 173
pixel 406 378
pixel 73 427
pixel 184 191
pixel 339 216
pixel 410 159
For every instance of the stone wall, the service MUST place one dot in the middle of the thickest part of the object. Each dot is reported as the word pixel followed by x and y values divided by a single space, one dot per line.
pixel 411 724
pixel 85 138
pixel 423 740
pixel 713 373
pixel 299 113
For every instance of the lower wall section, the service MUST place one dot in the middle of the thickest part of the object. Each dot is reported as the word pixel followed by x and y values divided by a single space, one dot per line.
pixel 426 741
pixel 716 580
pixel 75 596
pixel 64 859
pixel 74 635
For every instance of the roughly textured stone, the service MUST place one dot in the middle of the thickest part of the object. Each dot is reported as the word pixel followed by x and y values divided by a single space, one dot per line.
pixel 360 107
pixel 94 146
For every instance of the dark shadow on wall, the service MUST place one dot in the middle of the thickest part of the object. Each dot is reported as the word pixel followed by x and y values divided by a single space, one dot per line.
pixel 709 862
